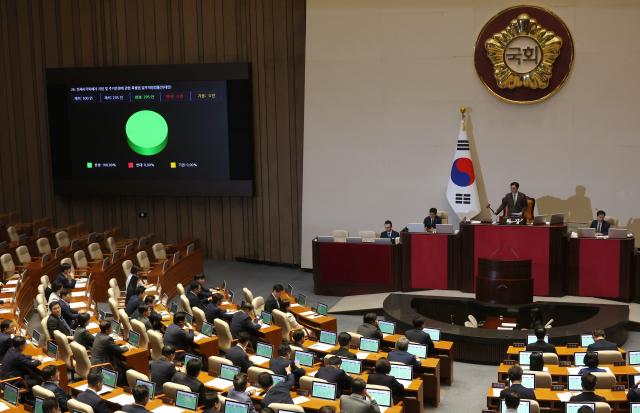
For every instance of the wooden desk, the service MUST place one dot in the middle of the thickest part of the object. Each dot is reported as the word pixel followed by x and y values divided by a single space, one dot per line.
pixel 443 350
pixel 550 402
pixel 559 374
pixel 564 353
pixel 327 323
pixel 34 351
pixel 272 335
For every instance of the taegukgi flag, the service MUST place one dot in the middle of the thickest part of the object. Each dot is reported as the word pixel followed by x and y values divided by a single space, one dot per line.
pixel 462 191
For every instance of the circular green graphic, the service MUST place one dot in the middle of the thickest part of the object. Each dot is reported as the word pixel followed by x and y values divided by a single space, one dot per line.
pixel 147 132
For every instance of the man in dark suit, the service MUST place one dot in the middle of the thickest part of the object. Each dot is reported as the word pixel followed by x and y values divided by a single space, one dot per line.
pixel 332 373
pixel 241 322
pixel 135 301
pixel 401 355
pixel 69 314
pixel 143 316
pixel 588 390
pixel 417 335
pixel 599 224
pixel 359 400
pixel 389 231
pixel 515 201
pixel 90 395
pixel 369 327
pixel 57 322
pixel 190 378
pixel 105 350
pixel 515 385
pixel 432 220
pixel 51 382
pixel 600 342
pixel 205 294
pixel 133 279
pixel 178 335
pixel 279 364
pixel 140 398
pixel 344 339
pixel 6 342
pixel 540 344
pixel 212 311
pixel 163 369
pixel 238 353
pixel 381 377
pixel 65 278
pixel 273 301
pixel 194 295
pixel 276 393
pixel 16 364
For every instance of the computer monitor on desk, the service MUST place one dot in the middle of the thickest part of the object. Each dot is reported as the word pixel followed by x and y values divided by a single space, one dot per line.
pixel 586 340
pixel 415 227
pixel 586 232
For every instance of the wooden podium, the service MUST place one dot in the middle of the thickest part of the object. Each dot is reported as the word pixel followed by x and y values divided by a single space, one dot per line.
pixel 504 281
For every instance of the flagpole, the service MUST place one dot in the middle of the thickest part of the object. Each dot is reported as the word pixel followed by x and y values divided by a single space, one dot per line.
pixel 463 112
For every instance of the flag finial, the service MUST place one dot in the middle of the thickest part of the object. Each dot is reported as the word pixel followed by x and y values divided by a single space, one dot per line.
pixel 463 110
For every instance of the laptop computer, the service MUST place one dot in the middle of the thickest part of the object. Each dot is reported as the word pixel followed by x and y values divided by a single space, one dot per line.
pixel 115 328
pixel 444 228
pixel 187 400
pixel 382 397
pixel 354 240
pixel 325 238
pixel 149 385
pixel 617 233
pixel 264 350
pixel 232 406
pixel 109 379
pixel 573 407
pixel 369 344
pixel 578 358
pixel 523 358
pixel 351 366
pixel 523 407
pixel 52 349
pixel 415 227
pixel 387 327
pixel 574 382
pixel 556 219
pixel 134 338
pixel 586 232
pixel 418 350
pixel 37 405
pixel 228 372
pixel 634 358
pixel 325 391
pixel 434 333
pixel 322 309
pixel 305 358
pixel 385 241
pixel 10 394
pixel 532 338
pixel 35 338
pixel 188 357
pixel 289 289
pixel 207 329
pixel 266 318
pixel 301 299
pixel 539 220
pixel 634 407
pixel 586 340
pixel 402 373
pixel 529 381
pixel 278 378
pixel 328 337
pixel 190 248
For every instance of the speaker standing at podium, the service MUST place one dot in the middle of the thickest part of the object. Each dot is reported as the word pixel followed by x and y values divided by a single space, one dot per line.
pixel 601 226
pixel 515 201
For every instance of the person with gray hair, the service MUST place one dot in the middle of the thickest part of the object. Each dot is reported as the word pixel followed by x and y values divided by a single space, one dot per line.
pixel 400 354
pixel 359 400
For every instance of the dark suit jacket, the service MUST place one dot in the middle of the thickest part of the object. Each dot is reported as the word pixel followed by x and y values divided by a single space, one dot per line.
pixel 134 408
pixel 6 342
pixel 193 383
pixel 385 234
pixel 403 357
pixel 83 337
pixel 16 364
pixel 239 358
pixel 105 350
pixel 369 331
pixel 66 283
pixel 605 226
pixel 93 400
pixel 431 224
pixel 145 321
pixel 179 338
pixel 54 323
pixel 278 365
pixel 344 352
pixel 279 393
pixel 602 345
pixel 333 375
pixel 397 389
pixel 420 337
pixel 587 370
pixel 519 206
pixel 194 301
pixel 242 322
pixel 132 305
pixel 161 371
pixel 70 315
pixel 587 396
pixel 542 346
pixel 271 304
pixel 131 287
pixel 212 311
pixel 61 396
pixel 520 390
pixel 634 395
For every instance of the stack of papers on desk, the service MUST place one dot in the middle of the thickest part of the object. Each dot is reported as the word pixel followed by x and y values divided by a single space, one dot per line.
pixel 219 383
pixel 307 313
pixel 3 407
pixel 574 370
pixel 300 400
pixel 83 387
pixel 564 397
pixel 258 359
pixel 315 316
pixel 321 346
pixel 199 336
pixel 91 326
pixel 294 305
pixel 167 409
pixel 361 355
pixel 8 290
pixel 405 383
pixel 78 293
pixel 78 304
pixel 122 399
pixel 12 282
pixel 6 310
pixel 47 359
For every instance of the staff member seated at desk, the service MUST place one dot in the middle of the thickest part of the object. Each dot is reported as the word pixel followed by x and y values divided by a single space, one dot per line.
pixel 599 224
pixel 238 353
pixel 369 327
pixel 213 311
pixel 6 332
pixel 515 201
pixel 515 380
pixel 417 335
pixel 273 301
pixel 332 373
pixel 540 344
pixel 389 231
pixel 239 391
pixel 381 377
pixel 81 335
pixel 600 342
pixel 16 364
pixel 344 339
pixel 400 354
pixel 190 378
pixel 591 360
pixel 242 323
pixel 512 401
pixel 90 395
pixel 57 322
pixel 134 302
pixel 588 390
pixel 163 369
pixel 432 220
pixel 140 398
pixel 276 393
pixel 279 364
pixel 358 401
pixel 179 335
pixel 51 378
pixel 65 278
pixel 105 350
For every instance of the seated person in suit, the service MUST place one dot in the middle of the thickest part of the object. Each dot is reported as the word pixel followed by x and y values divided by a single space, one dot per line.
pixel 515 201
pixel 417 335
pixel 279 364
pixel 135 301
pixel 190 377
pixel 242 323
pixel 163 369
pixel 588 394
pixel 69 314
pixel 81 335
pixel 599 224
pixel 50 405
pixel 90 395
pixel 150 301
pixel 359 400
pixel 239 391
pixel 332 373
pixel 143 316
pixel 274 300
pixel 381 377
pixel 51 382
pixel 536 361
pixel 105 350
pixel 600 342
pixel 238 353
pixel 65 277
pixel 194 295
pixel 16 364
pixel 297 339
pixel 7 329
pixel 133 281
pixel 276 393
pixel 212 404
pixel 285 307
pixel 344 339
pixel 388 231
pixel 633 396
pixel 369 327
pixel 140 399
pixel 179 335
pixel 56 287
pixel 591 361
pixel 515 380
pixel 540 344
pixel 205 293
pixel 512 401
pixel 213 311
pixel 432 220
pixel 401 355
pixel 57 322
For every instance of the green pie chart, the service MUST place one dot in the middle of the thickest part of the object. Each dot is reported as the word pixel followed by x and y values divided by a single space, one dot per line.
pixel 147 132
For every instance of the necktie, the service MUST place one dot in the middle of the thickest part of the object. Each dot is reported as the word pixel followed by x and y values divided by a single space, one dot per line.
pixel 515 196
pixel 389 234
pixel 599 229
pixel 65 323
